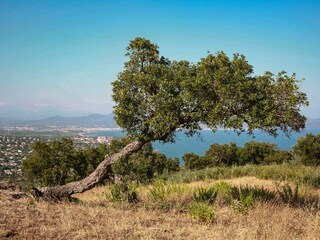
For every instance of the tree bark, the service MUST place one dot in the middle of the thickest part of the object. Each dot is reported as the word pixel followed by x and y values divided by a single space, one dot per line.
pixel 64 192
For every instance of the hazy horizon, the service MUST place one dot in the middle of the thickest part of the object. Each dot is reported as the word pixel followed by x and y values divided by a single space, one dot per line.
pixel 60 57
pixel 43 116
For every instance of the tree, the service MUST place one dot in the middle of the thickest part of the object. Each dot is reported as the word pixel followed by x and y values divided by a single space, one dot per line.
pixel 51 163
pixel 308 149
pixel 225 154
pixel 144 165
pixel 154 97
pixel 59 162
pixel 194 161
pixel 256 152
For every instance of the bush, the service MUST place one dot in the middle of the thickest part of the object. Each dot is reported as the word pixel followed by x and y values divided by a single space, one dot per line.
pixel 308 149
pixel 202 212
pixel 203 195
pixel 124 192
pixel 193 161
pixel 258 193
pixel 222 155
pixel 58 162
pixel 288 194
pixel 224 192
pixel 278 157
pixel 144 165
pixel 159 195
pixel 255 152
pixel 241 200
pixel 229 155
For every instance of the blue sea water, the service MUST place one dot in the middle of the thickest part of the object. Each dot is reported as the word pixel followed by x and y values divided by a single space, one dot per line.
pixel 200 144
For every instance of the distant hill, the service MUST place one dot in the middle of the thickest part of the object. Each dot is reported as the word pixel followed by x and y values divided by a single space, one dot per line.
pixel 92 120
pixel 95 120
pixel 313 123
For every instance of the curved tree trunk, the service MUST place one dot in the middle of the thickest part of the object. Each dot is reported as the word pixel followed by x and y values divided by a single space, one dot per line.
pixel 97 176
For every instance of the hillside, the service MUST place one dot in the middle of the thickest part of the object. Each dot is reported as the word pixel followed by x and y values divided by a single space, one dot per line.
pixel 313 123
pixel 96 216
pixel 92 120
pixel 95 120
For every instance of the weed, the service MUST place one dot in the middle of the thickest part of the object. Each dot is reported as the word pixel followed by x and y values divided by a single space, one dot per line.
pixel 123 192
pixel 202 212
pixel 159 194
pixel 224 192
pixel 242 200
pixel 258 193
pixel 203 195
pixel 288 194
pixel 283 172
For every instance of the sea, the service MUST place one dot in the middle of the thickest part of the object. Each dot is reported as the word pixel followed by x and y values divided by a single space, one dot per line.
pixel 200 144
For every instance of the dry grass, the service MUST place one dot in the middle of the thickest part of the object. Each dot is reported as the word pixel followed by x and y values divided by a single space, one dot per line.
pixel 96 218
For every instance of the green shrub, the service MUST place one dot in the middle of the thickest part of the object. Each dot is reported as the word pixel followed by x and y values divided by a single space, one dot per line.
pixel 124 192
pixel 288 194
pixel 202 212
pixel 308 149
pixel 59 162
pixel 144 165
pixel 203 195
pixel 193 161
pixel 242 200
pixel 260 193
pixel 278 157
pixel 284 172
pixel 255 152
pixel 224 192
pixel 159 195
pixel 222 155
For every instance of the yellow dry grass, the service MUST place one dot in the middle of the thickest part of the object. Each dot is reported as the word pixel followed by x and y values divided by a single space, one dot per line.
pixel 96 218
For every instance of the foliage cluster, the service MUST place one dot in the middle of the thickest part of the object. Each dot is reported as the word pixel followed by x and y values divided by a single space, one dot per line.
pixel 123 192
pixel 260 153
pixel 283 172
pixel 155 96
pixel 306 151
pixel 201 203
pixel 144 165
pixel 59 162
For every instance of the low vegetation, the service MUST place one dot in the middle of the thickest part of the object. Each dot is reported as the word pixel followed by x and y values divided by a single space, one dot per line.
pixel 59 162
pixel 148 196
pixel 230 193
pixel 239 208
pixel 305 152
pixel 296 173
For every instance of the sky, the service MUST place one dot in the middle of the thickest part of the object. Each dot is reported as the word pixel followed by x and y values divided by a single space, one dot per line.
pixel 60 57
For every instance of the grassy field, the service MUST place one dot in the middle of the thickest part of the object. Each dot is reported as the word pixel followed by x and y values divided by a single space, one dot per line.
pixel 284 172
pixel 170 210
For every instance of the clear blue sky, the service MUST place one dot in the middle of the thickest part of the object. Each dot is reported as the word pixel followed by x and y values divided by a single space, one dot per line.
pixel 60 57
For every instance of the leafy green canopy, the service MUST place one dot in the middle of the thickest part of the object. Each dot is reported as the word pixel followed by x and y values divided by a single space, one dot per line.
pixel 308 149
pixel 155 96
pixel 59 162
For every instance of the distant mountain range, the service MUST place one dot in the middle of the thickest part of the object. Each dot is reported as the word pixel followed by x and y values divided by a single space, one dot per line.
pixel 94 120
pixel 313 123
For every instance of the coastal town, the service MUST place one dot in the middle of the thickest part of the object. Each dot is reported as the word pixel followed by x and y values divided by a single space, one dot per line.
pixel 14 148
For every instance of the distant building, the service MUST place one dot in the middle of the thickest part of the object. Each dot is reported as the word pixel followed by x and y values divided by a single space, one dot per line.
pixel 102 139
